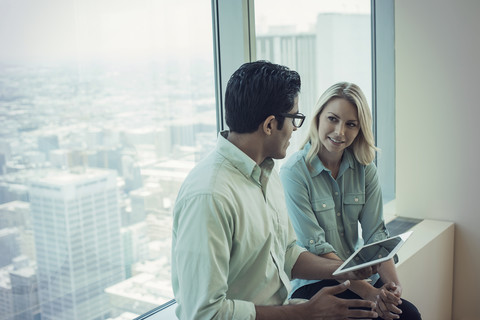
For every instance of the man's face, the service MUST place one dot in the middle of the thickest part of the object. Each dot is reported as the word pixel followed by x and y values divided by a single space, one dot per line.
pixel 280 139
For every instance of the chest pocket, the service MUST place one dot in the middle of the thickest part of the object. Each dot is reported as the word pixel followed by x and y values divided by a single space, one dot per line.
pixel 353 204
pixel 325 213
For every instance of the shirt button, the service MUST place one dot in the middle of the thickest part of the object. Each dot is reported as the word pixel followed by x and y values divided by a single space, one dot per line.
pixel 311 241
pixel 379 255
pixel 324 205
pixel 338 214
pixel 357 258
pixel 342 234
pixel 336 193
pixel 356 199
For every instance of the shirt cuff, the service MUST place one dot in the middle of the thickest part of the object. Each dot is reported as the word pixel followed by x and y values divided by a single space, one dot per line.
pixel 244 310
pixel 291 256
pixel 321 249
pixel 377 236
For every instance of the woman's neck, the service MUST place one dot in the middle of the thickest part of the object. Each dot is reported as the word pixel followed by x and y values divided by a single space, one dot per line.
pixel 331 162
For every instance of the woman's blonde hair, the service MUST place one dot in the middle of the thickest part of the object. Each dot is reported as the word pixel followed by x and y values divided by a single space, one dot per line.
pixel 364 144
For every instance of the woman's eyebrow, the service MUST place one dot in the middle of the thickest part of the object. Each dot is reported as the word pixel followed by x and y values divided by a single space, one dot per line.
pixel 340 118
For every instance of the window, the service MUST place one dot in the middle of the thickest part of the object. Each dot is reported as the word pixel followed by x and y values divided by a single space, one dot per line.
pixel 317 39
pixel 105 106
pixel 332 41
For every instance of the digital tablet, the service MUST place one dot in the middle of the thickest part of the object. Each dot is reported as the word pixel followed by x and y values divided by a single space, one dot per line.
pixel 373 253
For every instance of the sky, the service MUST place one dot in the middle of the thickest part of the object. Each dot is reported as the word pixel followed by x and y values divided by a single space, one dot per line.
pixel 118 29
pixel 302 13
pixel 56 29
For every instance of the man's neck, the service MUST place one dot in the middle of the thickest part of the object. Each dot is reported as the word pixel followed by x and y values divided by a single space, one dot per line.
pixel 250 143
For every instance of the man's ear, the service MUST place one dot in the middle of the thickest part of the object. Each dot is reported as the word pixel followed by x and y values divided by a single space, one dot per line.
pixel 267 125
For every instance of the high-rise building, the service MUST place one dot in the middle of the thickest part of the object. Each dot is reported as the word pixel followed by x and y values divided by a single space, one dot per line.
pixel 46 143
pixel 322 56
pixel 76 223
pixel 23 280
pixel 9 247
pixel 6 296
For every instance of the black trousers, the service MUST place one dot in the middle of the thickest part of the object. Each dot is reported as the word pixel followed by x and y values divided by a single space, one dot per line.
pixel 409 311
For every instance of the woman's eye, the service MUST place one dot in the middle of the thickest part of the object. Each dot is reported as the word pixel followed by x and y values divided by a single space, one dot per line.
pixel 333 119
pixel 352 125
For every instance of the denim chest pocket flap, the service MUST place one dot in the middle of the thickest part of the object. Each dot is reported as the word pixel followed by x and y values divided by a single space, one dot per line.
pixel 319 205
pixel 354 198
pixel 325 213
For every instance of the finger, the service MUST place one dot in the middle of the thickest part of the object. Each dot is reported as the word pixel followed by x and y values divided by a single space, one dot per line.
pixel 387 310
pixel 363 273
pixel 381 307
pixel 390 297
pixel 390 286
pixel 393 288
pixel 357 303
pixel 361 314
pixel 383 312
pixel 334 290
pixel 393 308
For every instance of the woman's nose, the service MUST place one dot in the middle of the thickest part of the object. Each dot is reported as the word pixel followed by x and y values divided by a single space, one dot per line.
pixel 340 129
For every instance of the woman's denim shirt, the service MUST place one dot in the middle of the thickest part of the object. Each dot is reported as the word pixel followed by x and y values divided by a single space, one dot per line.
pixel 328 215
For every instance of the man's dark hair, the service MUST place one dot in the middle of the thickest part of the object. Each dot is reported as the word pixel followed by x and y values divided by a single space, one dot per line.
pixel 257 90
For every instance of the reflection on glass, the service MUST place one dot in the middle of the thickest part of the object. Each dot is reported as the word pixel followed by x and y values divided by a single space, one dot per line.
pixel 326 41
pixel 105 106
pixel 374 251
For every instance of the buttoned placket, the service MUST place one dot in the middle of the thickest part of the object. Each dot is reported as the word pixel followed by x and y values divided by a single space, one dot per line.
pixel 338 192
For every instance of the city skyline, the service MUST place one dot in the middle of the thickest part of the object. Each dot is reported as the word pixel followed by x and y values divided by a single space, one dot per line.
pixel 146 123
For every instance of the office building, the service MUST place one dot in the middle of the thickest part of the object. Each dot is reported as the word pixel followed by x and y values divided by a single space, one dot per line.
pixel 23 281
pixel 76 223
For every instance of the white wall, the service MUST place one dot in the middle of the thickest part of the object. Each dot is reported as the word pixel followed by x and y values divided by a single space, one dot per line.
pixel 431 244
pixel 438 128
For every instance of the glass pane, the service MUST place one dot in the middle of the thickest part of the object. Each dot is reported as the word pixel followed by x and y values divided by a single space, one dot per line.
pixel 105 106
pixel 325 41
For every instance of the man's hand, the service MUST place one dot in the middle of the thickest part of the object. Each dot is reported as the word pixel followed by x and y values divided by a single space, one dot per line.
pixel 324 305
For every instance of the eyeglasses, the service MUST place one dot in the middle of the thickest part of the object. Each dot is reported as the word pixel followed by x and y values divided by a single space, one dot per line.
pixel 297 118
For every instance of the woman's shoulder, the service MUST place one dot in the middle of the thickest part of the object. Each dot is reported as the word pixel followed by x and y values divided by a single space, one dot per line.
pixel 297 159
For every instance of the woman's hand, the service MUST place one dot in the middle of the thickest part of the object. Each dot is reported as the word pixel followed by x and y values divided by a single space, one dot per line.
pixel 388 299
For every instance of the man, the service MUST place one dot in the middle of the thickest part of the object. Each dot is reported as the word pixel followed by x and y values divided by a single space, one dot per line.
pixel 234 250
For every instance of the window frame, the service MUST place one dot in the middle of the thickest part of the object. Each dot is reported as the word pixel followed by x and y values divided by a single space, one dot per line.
pixel 383 97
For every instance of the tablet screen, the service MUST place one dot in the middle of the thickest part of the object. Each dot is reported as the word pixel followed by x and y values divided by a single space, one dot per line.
pixel 373 253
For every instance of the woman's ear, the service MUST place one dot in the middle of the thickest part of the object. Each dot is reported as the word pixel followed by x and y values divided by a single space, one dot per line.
pixel 267 125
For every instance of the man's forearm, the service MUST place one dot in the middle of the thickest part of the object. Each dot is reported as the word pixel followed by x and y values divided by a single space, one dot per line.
pixel 312 267
pixel 285 312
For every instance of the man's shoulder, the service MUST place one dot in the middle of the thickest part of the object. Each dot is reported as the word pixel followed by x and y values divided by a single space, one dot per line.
pixel 209 176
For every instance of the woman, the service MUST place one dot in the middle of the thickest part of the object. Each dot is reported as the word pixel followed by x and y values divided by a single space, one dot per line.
pixel 331 185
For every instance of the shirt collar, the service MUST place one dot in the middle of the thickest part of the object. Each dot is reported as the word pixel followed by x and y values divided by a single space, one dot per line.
pixel 348 161
pixel 240 160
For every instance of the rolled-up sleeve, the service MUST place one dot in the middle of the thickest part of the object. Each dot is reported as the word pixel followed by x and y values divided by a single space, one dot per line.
pixel 371 217
pixel 291 256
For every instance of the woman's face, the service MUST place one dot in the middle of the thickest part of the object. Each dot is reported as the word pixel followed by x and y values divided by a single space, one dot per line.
pixel 338 126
